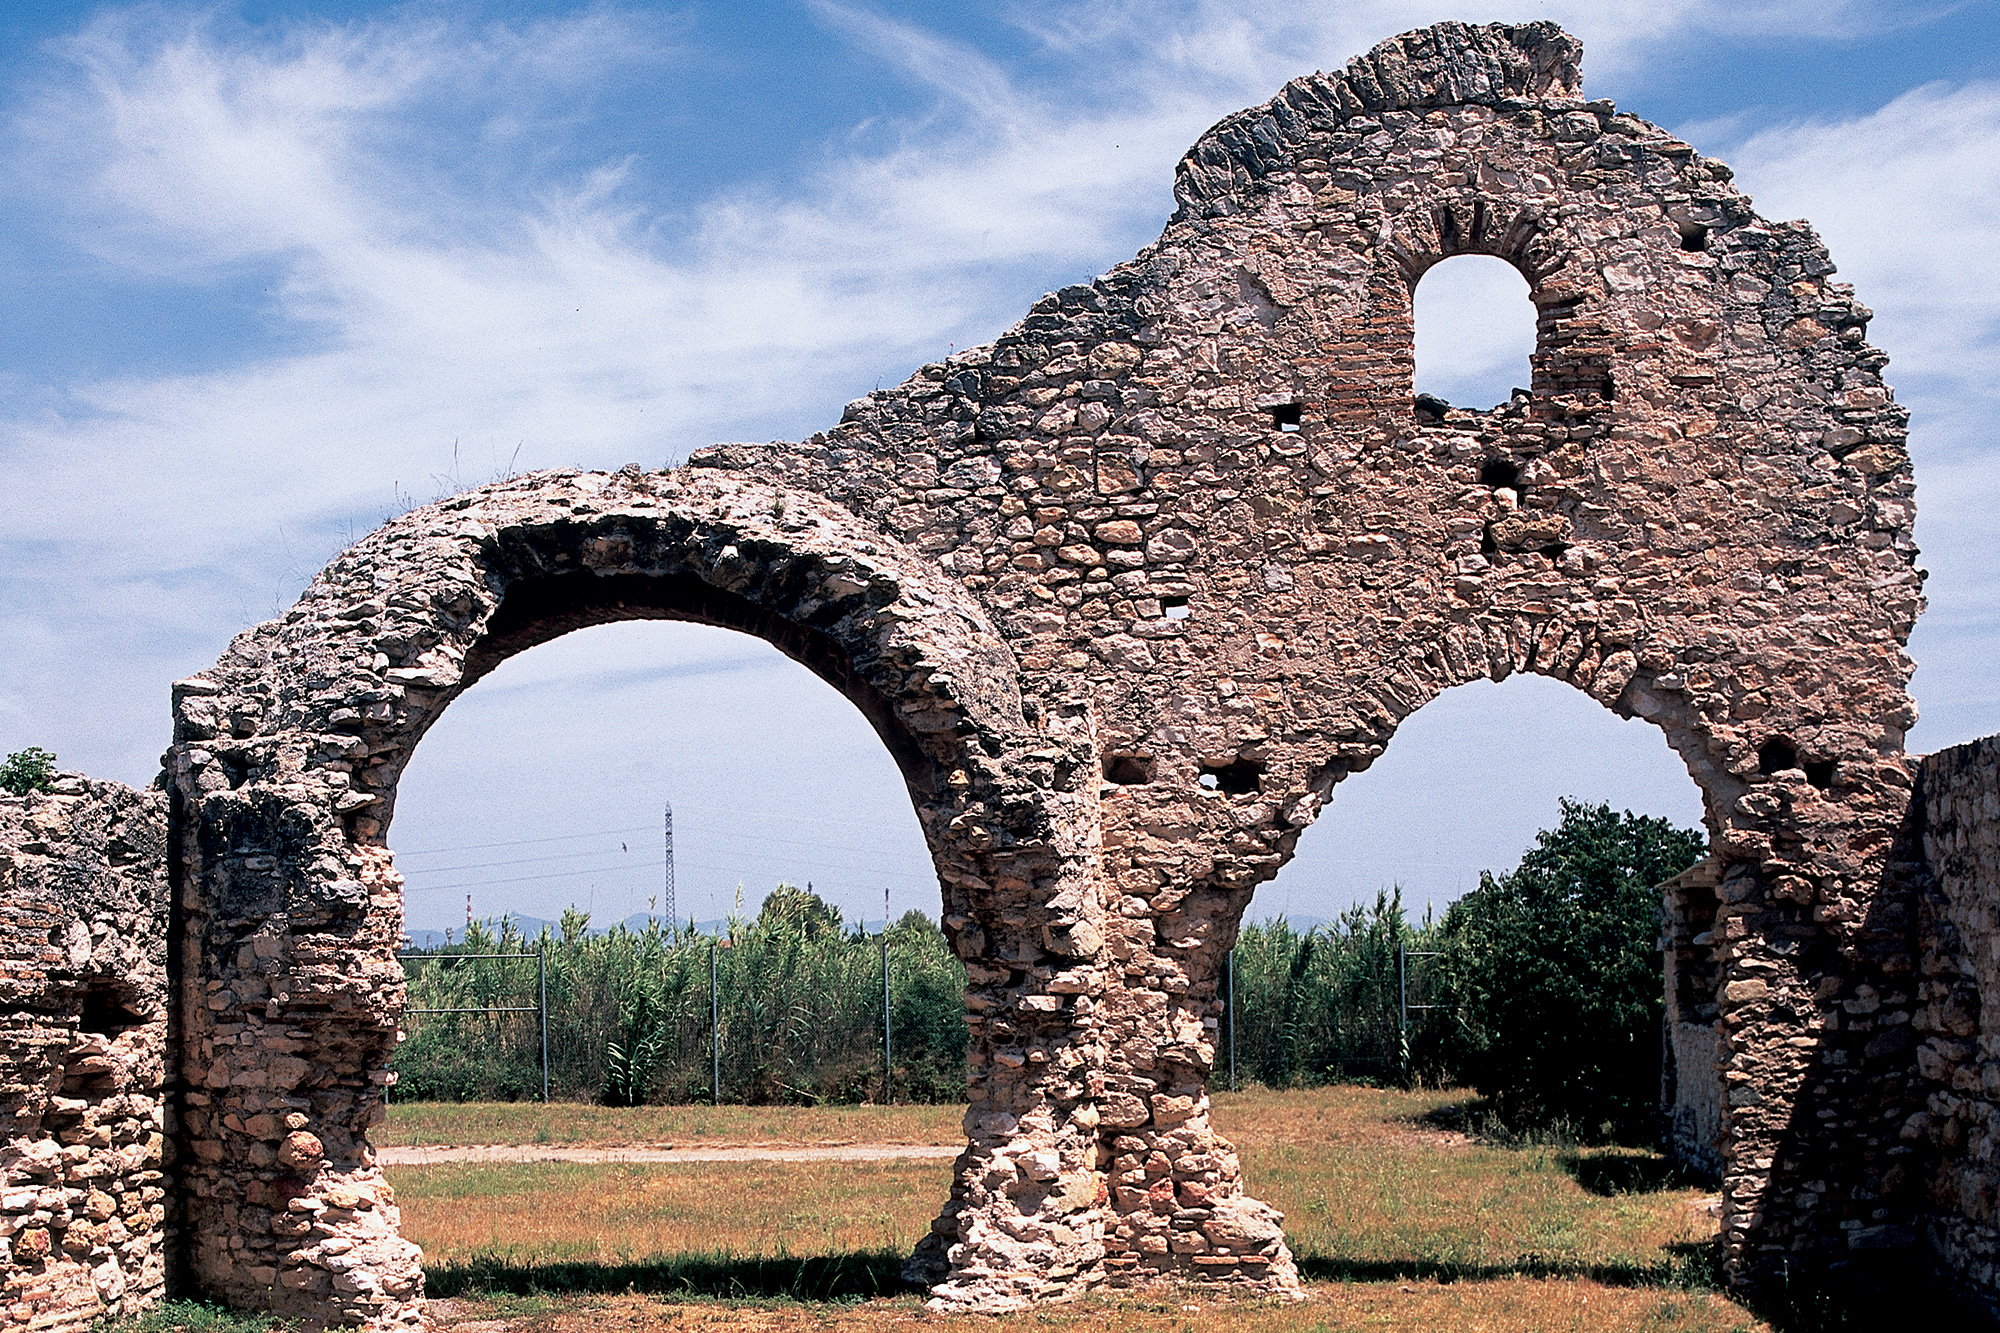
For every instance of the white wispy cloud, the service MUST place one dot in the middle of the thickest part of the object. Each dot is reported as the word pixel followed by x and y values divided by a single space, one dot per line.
pixel 461 281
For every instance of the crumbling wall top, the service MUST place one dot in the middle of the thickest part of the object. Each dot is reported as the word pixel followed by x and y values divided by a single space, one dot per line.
pixel 1450 64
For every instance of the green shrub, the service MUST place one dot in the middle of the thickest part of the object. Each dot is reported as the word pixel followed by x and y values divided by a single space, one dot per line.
pixel 1553 974
pixel 32 769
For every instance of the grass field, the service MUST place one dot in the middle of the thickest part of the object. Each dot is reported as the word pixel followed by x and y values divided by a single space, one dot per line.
pixel 415 1124
pixel 1369 1191
pixel 1396 1223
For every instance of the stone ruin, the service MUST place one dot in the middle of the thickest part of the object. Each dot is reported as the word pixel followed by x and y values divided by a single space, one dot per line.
pixel 1126 593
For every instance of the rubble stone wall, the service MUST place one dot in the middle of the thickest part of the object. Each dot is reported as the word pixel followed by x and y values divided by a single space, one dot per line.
pixel 1958 1015
pixel 83 1021
pixel 1128 592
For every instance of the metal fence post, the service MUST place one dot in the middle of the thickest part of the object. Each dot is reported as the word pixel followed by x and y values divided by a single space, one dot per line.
pixel 542 983
pixel 888 1055
pixel 1229 1010
pixel 1402 1000
pixel 714 1030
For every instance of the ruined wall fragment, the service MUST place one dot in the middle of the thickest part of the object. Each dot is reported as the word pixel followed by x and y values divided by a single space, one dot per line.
pixel 1128 592
pixel 83 1037
pixel 1694 1098
pixel 1957 1125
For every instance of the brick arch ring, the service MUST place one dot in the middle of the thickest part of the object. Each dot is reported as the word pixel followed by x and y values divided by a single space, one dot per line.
pixel 288 751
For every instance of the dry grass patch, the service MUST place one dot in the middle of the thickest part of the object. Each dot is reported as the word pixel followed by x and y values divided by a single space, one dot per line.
pixel 537 1214
pixel 1513 1306
pixel 1370 1191
pixel 1398 1224
pixel 415 1124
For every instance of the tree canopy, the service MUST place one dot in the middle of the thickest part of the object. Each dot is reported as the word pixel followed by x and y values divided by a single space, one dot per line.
pixel 1555 973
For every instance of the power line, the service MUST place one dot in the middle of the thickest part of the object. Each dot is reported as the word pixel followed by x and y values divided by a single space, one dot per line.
pixel 812 844
pixel 594 863
pixel 520 842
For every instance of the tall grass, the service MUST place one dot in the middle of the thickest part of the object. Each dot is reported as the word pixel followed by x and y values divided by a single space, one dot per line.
pixel 799 1000
pixel 800 1010
pixel 1325 1005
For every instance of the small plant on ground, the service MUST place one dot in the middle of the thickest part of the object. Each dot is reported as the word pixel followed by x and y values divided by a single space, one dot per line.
pixel 191 1317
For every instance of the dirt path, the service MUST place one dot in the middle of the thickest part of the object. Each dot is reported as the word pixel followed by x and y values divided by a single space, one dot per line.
pixel 664 1153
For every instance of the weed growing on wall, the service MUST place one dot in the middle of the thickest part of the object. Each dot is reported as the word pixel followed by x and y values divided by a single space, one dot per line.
pixel 24 771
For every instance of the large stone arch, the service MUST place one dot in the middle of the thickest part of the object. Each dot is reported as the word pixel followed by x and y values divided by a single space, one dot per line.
pixel 1184 519
pixel 285 766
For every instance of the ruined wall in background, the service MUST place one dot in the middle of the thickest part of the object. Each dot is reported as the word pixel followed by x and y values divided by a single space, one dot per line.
pixel 83 1034
pixel 1692 1097
pixel 1958 1013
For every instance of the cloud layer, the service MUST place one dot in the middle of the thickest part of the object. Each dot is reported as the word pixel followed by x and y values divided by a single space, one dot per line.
pixel 426 266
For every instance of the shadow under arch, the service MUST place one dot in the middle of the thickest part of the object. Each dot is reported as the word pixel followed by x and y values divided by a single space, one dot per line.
pixel 285 765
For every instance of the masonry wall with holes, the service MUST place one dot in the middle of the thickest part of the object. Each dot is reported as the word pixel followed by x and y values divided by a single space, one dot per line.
pixel 83 1036
pixel 1127 593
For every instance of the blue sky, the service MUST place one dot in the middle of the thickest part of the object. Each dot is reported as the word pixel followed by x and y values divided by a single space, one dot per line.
pixel 276 271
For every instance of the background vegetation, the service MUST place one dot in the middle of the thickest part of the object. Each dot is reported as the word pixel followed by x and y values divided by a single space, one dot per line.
pixel 1541 988
pixel 799 994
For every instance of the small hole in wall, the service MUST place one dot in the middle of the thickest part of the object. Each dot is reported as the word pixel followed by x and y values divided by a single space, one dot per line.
pixel 1128 770
pixel 1694 236
pixel 103 1013
pixel 1175 608
pixel 1819 772
pixel 1776 755
pixel 1287 416
pixel 1241 778
pixel 1498 472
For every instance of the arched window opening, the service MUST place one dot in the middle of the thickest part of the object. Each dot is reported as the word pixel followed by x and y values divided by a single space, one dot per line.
pixel 1350 987
pixel 1475 333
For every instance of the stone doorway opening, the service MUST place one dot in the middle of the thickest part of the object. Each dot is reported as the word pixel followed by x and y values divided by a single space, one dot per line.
pixel 539 793
pixel 1352 928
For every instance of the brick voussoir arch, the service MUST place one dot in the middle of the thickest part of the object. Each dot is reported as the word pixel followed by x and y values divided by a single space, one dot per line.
pixel 285 765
